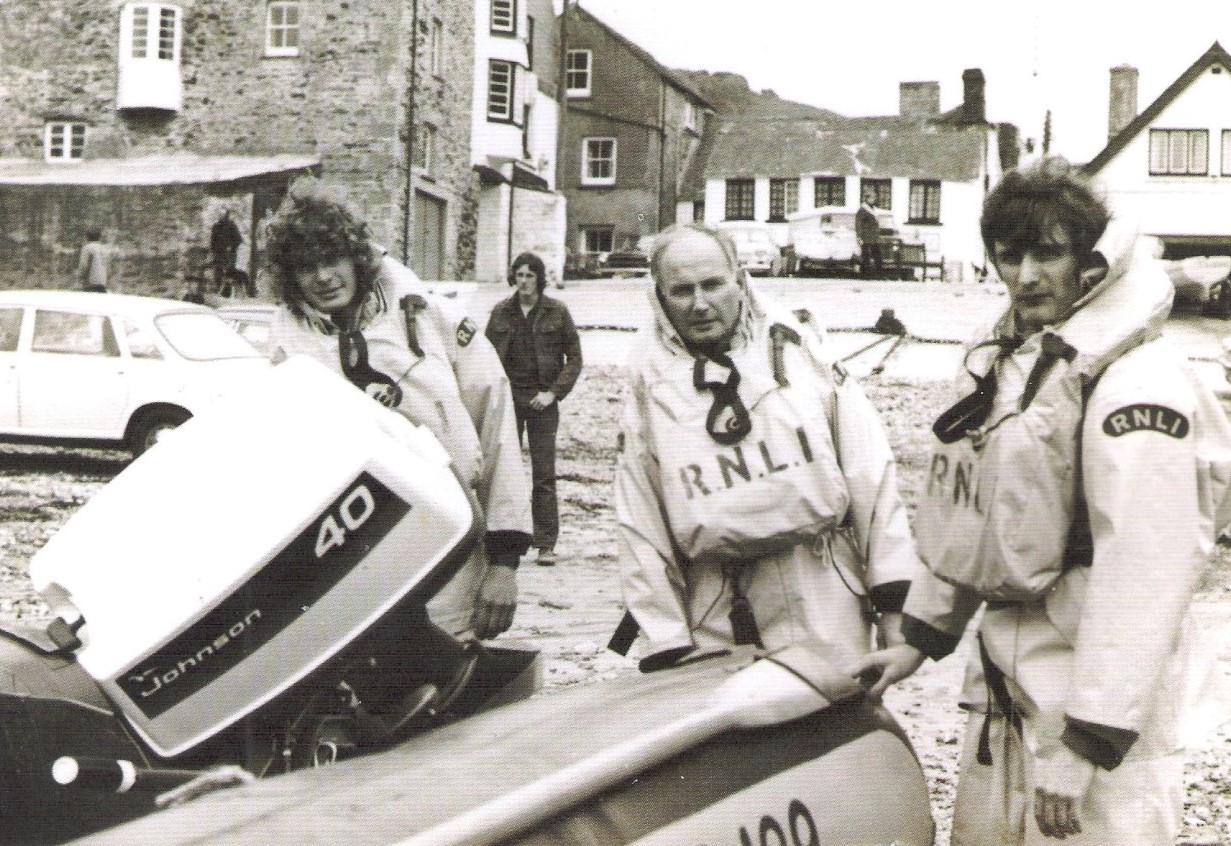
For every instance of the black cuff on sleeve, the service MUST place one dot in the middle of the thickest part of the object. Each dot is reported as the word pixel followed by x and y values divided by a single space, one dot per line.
pixel 663 660
pixel 1104 745
pixel 889 597
pixel 503 543
pixel 933 643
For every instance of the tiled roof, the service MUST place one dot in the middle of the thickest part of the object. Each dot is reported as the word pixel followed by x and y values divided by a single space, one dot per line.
pixel 1216 55
pixel 873 147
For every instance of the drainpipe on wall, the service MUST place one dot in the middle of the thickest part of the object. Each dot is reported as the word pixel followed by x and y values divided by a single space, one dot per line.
pixel 508 246
pixel 408 214
pixel 562 107
pixel 662 155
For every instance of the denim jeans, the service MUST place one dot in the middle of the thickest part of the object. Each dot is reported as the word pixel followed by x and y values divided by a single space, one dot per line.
pixel 539 428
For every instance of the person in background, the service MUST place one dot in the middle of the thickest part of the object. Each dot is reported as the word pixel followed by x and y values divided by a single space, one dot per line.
pixel 755 489
pixel 224 241
pixel 346 303
pixel 867 232
pixel 1074 495
pixel 95 264
pixel 540 349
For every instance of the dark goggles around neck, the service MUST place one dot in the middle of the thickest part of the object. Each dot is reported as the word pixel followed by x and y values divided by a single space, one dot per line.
pixel 970 413
pixel 353 355
pixel 728 421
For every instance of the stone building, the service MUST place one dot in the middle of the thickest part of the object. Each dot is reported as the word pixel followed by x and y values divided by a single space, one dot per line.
pixel 145 119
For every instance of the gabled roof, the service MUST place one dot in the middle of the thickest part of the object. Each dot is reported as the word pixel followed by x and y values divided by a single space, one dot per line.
pixel 873 147
pixel 670 76
pixel 1216 55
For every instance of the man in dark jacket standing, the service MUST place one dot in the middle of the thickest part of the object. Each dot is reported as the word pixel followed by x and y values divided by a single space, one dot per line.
pixel 224 241
pixel 867 232
pixel 539 347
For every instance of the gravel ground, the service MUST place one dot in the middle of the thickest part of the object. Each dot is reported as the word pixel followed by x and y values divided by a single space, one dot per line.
pixel 568 611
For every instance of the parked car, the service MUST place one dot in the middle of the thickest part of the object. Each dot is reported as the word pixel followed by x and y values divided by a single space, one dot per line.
pixel 758 254
pixel 251 320
pixel 95 369
pixel 632 260
pixel 823 240
pixel 1203 283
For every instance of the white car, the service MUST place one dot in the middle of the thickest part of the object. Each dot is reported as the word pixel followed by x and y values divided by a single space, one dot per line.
pixel 87 369
pixel 251 319
pixel 755 245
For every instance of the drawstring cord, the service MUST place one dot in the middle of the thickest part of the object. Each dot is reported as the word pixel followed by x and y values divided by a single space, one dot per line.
pixel 822 547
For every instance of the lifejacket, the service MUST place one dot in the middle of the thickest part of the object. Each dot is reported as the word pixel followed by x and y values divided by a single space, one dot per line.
pixel 775 483
pixel 1002 512
pixel 406 350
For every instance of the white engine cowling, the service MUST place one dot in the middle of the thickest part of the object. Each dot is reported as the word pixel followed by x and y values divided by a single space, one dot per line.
pixel 250 546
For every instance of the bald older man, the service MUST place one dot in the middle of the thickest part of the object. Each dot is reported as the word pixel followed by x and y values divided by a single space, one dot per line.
pixel 755 489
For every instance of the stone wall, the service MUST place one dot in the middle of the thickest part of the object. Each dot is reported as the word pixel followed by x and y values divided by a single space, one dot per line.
pixel 343 100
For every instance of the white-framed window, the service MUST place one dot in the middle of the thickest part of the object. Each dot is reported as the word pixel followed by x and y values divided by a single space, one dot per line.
pixel 149 57
pixel 502 91
pixel 877 193
pixel 741 199
pixel 282 23
pixel 436 47
pixel 597 239
pixel 153 31
pixel 425 147
pixel 504 17
pixel 1226 152
pixel 63 141
pixel 829 191
pixel 924 201
pixel 577 70
pixel 598 161
pixel 783 198
pixel 1179 152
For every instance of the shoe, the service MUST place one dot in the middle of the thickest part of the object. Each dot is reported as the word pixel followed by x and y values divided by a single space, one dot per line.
pixel 546 558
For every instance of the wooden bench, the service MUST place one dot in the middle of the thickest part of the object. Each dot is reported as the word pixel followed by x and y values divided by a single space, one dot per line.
pixel 916 255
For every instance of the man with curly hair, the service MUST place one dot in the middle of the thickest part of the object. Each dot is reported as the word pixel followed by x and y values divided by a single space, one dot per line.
pixel 349 305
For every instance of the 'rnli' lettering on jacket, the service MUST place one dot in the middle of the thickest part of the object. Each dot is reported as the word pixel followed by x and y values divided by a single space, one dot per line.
pixel 962 484
pixel 826 463
pixel 1145 417
pixel 996 513
pixel 733 466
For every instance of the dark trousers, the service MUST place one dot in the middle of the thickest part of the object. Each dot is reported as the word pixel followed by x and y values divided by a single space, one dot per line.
pixel 539 428
pixel 871 259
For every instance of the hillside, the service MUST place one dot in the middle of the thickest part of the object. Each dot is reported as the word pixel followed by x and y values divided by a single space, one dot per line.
pixel 731 97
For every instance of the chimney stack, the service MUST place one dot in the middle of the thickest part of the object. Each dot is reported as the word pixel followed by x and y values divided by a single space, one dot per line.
pixel 1122 104
pixel 974 106
pixel 919 99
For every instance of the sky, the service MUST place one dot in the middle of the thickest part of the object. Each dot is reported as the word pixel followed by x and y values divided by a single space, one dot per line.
pixel 851 56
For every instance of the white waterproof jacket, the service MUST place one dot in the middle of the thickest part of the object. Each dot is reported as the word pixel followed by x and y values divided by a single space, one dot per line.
pixel 815 470
pixel 1098 658
pixel 457 389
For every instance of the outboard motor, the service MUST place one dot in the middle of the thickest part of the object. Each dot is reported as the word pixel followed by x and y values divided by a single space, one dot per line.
pixel 250 592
